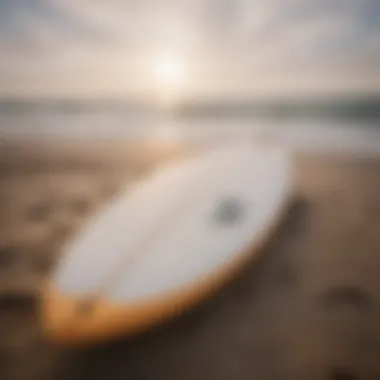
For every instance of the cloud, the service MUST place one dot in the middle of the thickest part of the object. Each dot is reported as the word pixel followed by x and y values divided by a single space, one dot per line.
pixel 31 22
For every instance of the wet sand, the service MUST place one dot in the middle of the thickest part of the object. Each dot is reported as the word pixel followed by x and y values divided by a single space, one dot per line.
pixel 309 308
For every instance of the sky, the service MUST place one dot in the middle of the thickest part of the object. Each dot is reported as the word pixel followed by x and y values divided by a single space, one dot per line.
pixel 188 48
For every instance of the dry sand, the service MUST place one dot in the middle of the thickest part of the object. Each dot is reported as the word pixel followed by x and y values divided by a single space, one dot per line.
pixel 308 309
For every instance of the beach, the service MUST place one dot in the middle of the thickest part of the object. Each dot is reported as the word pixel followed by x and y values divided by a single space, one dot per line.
pixel 308 308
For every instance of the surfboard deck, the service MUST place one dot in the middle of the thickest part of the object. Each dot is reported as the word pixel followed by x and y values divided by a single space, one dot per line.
pixel 194 224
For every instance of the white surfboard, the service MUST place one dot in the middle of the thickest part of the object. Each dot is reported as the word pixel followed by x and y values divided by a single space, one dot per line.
pixel 167 242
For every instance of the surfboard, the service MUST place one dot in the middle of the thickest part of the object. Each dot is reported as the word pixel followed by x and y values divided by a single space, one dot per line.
pixel 167 242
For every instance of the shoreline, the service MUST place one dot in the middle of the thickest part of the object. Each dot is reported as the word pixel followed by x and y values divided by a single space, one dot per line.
pixel 361 146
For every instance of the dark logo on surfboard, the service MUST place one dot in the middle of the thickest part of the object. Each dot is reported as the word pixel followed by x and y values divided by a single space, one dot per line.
pixel 229 211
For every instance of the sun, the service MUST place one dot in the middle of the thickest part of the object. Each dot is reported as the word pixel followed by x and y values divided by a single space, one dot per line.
pixel 170 75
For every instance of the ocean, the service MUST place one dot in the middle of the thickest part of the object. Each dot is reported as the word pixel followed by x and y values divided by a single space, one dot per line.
pixel 351 126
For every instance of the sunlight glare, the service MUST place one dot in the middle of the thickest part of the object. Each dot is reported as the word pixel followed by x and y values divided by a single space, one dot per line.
pixel 169 71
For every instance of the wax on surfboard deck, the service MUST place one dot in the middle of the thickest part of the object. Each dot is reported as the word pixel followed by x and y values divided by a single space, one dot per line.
pixel 167 242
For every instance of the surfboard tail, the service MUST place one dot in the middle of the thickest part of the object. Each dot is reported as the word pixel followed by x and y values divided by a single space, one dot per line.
pixel 76 322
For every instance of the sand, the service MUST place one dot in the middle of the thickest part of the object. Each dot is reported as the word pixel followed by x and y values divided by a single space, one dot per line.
pixel 309 308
